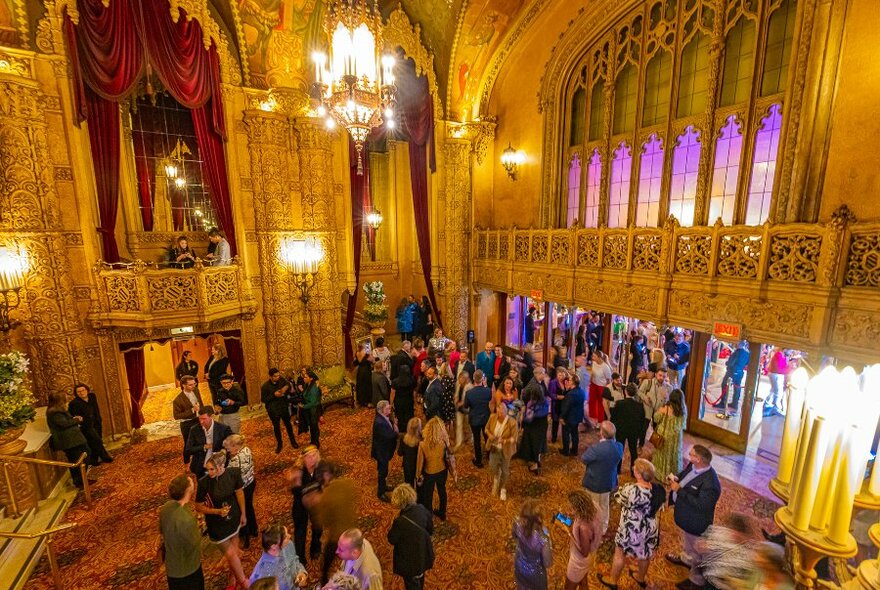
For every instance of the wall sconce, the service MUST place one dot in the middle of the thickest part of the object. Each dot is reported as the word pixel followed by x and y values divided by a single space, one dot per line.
pixel 512 159
pixel 374 219
pixel 12 270
pixel 302 258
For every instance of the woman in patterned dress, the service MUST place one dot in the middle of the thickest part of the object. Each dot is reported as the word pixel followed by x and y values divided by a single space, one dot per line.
pixel 534 550
pixel 670 421
pixel 638 534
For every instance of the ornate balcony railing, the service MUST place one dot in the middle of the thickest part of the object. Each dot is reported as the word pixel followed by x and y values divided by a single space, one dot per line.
pixel 145 296
pixel 814 285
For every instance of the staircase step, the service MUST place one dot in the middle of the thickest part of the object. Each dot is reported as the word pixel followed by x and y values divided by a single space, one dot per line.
pixel 19 557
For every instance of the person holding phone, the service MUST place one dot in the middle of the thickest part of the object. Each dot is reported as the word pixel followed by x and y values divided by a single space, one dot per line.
pixel 279 560
pixel 585 534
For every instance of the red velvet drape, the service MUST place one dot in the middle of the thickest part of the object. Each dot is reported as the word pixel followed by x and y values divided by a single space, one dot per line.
pixel 143 155
pixel 214 161
pixel 135 370
pixel 418 122
pixel 104 144
pixel 360 186
pixel 235 356
pixel 107 54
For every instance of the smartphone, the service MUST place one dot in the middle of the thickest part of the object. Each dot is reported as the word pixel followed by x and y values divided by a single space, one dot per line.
pixel 566 520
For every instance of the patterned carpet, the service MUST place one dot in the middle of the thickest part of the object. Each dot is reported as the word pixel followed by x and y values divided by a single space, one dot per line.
pixel 113 546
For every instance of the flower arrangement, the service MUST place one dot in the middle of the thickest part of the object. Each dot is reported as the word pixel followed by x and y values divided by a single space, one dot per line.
pixel 375 309
pixel 16 400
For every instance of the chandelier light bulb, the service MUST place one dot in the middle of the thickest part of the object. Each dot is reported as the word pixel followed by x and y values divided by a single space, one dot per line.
pixel 330 123
pixel 170 170
pixel 390 124
pixel 180 182
pixel 322 111
pixel 350 104
pixel 389 113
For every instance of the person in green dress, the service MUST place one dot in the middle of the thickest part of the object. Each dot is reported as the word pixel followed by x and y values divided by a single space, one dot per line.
pixel 669 422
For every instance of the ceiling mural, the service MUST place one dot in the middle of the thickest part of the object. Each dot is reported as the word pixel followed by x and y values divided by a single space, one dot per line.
pixel 279 37
pixel 483 27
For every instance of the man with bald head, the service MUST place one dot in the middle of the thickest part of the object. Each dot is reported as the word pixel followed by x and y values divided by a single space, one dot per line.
pixel 486 360
pixel 600 477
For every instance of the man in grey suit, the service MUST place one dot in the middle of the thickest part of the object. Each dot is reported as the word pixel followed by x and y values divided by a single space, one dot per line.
pixel 602 460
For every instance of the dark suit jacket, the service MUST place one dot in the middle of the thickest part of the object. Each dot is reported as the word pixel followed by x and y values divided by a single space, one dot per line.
pixel 469 368
pixel 477 400
pixel 410 534
pixel 183 408
pixel 628 416
pixel 433 398
pixel 384 439
pixel 90 413
pixel 695 502
pixel 195 445
pixel 400 359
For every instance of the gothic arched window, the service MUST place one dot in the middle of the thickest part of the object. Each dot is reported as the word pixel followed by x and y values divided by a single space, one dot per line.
pixel 764 167
pixel 618 199
pixel 728 149
pixel 685 164
pixel 650 179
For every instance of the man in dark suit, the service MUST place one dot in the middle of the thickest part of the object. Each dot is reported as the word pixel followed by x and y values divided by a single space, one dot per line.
pixel 383 445
pixel 402 359
pixel 274 394
pixel 433 393
pixel 465 365
pixel 205 439
pixel 628 416
pixel 476 401
pixel 600 478
pixel 694 493
pixel 185 408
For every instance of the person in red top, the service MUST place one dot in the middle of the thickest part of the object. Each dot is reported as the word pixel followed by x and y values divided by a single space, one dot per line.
pixel 777 371
pixel 421 353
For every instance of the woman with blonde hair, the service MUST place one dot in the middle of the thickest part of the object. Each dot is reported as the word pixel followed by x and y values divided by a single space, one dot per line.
pixel 431 468
pixel 240 456
pixel 501 436
pixel 463 432
pixel 220 497
pixel 638 534
pixel 410 535
pixel 585 536
pixel 216 367
pixel 303 480
pixel 534 550
pixel 409 450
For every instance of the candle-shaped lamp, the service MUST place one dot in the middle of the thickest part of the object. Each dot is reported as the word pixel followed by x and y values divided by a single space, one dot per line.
pixel 796 395
pixel 801 505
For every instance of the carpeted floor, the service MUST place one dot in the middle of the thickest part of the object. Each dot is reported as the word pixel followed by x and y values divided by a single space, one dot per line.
pixel 113 546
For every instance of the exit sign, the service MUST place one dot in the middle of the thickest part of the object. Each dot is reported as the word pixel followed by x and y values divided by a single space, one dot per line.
pixel 537 294
pixel 727 331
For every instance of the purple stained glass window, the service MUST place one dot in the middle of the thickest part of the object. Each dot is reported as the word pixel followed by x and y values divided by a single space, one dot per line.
pixel 685 165
pixel 728 150
pixel 650 179
pixel 574 189
pixel 618 199
pixel 764 167
pixel 594 179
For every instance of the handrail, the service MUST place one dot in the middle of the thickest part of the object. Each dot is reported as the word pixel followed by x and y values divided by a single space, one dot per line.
pixel 5 460
pixel 50 548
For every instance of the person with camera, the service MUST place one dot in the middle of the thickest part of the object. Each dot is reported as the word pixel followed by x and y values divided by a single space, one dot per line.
pixel 230 399
pixel 279 560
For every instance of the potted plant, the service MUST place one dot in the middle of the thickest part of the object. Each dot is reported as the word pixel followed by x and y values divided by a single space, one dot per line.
pixel 16 400
pixel 375 310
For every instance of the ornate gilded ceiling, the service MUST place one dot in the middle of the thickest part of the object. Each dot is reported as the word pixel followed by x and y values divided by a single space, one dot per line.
pixel 275 38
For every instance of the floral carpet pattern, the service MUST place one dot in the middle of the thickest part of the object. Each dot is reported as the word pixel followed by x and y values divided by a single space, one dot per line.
pixel 114 544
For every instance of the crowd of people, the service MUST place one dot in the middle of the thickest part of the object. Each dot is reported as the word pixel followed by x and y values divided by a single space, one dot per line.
pixel 430 401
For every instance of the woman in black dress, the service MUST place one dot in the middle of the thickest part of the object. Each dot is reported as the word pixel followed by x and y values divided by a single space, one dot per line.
pixel 303 481
pixel 187 366
pixel 409 450
pixel 218 365
pixel 364 377
pixel 427 319
pixel 638 356
pixel 580 346
pixel 66 435
pixel 85 405
pixel 220 497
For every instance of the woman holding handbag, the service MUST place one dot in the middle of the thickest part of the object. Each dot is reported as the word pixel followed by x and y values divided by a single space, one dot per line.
pixel 433 466
pixel 501 435
pixel 410 535
pixel 666 439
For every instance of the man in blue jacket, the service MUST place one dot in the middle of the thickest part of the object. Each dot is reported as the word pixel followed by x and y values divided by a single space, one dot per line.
pixel 476 401
pixel 486 360
pixel 735 371
pixel 600 477
pixel 694 493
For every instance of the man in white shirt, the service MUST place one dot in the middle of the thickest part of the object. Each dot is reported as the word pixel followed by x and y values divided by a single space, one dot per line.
pixel 359 559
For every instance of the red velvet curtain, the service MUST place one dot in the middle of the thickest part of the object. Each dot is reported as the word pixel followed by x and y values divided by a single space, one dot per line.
pixel 214 161
pixel 143 155
pixel 418 121
pixel 235 355
pixel 135 370
pixel 107 55
pixel 360 187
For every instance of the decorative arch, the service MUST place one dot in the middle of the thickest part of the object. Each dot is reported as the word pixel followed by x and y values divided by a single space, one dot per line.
pixel 400 32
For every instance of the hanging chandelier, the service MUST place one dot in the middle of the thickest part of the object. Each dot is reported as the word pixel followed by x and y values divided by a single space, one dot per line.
pixel 354 84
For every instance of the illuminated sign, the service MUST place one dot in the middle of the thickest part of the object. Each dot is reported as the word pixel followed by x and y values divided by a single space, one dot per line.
pixel 727 331
pixel 182 331
pixel 537 294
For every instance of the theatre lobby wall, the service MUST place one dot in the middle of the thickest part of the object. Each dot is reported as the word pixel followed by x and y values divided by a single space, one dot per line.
pixel 289 177
pixel 806 279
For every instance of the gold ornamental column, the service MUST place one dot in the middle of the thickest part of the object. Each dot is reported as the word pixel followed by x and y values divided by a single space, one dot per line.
pixel 318 195
pixel 269 146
